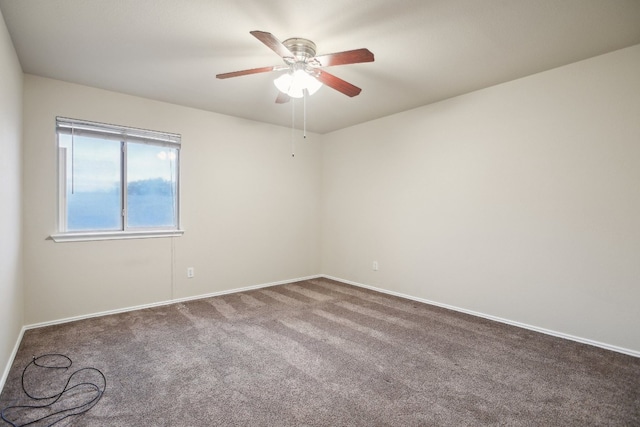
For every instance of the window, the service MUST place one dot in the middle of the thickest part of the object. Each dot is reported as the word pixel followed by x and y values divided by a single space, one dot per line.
pixel 116 182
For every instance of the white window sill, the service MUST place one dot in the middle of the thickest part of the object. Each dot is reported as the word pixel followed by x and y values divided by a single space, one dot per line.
pixel 114 235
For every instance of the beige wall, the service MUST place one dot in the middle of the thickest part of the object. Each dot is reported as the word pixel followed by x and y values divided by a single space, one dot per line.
pixel 11 293
pixel 250 211
pixel 520 201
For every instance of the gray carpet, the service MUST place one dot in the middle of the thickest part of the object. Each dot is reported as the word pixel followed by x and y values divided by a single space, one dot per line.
pixel 323 353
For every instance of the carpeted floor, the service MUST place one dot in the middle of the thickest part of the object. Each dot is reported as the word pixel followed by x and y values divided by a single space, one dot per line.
pixel 322 353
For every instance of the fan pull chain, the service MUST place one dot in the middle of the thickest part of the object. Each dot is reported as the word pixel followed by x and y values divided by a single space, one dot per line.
pixel 304 113
pixel 293 127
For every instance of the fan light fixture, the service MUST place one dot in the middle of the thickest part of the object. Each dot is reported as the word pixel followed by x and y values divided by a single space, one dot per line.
pixel 295 83
pixel 304 74
pixel 302 63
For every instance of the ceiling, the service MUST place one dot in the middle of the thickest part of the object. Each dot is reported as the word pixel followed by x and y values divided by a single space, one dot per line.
pixel 425 50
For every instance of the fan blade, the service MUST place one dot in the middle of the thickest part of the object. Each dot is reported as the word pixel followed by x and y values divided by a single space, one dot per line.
pixel 272 43
pixel 346 57
pixel 246 72
pixel 338 84
pixel 282 98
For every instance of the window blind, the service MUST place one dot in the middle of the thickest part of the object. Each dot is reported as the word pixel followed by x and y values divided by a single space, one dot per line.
pixel 120 133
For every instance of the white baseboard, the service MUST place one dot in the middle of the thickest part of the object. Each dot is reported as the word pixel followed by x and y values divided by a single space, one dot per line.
pixel 167 302
pixel 5 374
pixel 494 318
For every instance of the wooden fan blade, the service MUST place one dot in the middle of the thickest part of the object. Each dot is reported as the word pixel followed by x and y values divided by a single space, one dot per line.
pixel 272 43
pixel 282 98
pixel 246 72
pixel 338 84
pixel 347 57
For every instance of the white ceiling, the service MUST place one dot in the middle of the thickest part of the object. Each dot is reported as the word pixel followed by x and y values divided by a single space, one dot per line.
pixel 425 50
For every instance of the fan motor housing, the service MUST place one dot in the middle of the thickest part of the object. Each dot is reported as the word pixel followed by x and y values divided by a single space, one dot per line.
pixel 302 49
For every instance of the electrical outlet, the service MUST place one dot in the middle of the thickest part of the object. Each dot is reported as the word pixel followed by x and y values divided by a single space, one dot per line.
pixel 375 265
pixel 190 272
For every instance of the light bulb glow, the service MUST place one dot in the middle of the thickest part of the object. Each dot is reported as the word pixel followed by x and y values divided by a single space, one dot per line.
pixel 293 84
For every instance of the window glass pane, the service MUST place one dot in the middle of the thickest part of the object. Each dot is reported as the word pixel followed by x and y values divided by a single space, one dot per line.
pixel 93 182
pixel 151 186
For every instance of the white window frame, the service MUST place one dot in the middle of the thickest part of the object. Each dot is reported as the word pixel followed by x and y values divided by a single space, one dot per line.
pixel 123 134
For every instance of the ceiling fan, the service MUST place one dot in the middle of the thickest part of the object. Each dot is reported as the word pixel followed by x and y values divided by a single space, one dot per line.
pixel 305 75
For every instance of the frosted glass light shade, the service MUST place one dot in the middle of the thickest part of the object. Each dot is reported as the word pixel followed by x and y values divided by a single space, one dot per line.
pixel 293 84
